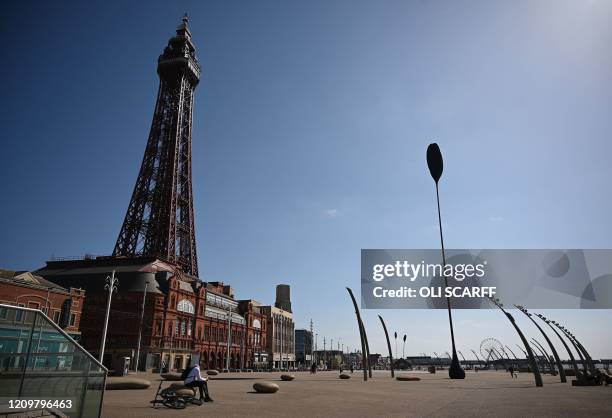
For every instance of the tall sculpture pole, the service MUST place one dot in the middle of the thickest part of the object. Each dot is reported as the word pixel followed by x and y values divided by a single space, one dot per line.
pixel 543 356
pixel 582 359
pixel 477 359
pixel 515 357
pixel 547 356
pixel 584 351
pixel 364 359
pixel 388 344
pixel 523 350
pixel 569 352
pixel 461 354
pixel 532 363
pixel 436 166
pixel 367 346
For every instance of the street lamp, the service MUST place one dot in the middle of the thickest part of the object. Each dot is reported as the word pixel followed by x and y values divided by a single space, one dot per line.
pixel 388 345
pixel 362 336
pixel 529 353
pixel 435 164
pixel 111 285
pixel 569 352
pixel 550 344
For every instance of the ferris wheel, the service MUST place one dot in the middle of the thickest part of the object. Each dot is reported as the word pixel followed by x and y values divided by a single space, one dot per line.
pixel 491 349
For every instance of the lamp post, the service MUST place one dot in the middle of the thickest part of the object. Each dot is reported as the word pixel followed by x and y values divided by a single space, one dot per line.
pixel 315 350
pixel 545 354
pixel 229 338
pixel 144 298
pixel 569 352
pixel 362 336
pixel 550 344
pixel 476 355
pixel 523 350
pixel 435 164
pixel 395 335
pixel 388 345
pixel 111 285
pixel 579 347
pixel 532 363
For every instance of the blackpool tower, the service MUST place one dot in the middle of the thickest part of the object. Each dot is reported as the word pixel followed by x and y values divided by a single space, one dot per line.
pixel 159 220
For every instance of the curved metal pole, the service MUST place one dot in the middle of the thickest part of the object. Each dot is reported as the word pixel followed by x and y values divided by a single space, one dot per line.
pixel 361 331
pixel 501 357
pixel 367 345
pixel 536 372
pixel 514 355
pixel 454 371
pixel 544 355
pixel 585 352
pixel 550 344
pixel 477 359
pixel 569 352
pixel 388 344
pixel 582 360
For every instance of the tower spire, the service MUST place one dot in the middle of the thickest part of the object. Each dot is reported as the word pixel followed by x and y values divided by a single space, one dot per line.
pixel 159 221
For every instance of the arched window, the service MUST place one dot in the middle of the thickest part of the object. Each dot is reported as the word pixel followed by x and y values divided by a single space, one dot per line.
pixel 185 306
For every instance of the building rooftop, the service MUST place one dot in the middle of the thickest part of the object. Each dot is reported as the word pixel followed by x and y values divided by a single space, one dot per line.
pixel 30 279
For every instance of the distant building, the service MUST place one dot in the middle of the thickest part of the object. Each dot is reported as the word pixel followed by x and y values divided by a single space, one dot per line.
pixel 184 318
pixel 281 330
pixel 63 305
pixel 329 359
pixel 303 347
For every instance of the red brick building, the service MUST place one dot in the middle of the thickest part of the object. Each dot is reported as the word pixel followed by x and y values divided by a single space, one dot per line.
pixel 184 318
pixel 62 305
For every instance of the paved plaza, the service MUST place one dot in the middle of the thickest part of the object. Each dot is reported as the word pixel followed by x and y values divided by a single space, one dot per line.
pixel 482 394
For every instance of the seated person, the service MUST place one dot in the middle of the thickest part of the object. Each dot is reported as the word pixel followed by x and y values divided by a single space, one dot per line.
pixel 195 380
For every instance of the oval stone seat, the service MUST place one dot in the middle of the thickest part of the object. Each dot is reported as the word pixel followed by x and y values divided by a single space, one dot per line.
pixel 173 377
pixel 265 387
pixel 126 383
pixel 179 389
pixel 212 372
pixel 344 376
pixel 287 377
pixel 408 378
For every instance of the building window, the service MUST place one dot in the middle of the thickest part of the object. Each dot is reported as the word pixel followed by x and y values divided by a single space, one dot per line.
pixel 72 319
pixel 185 306
pixel 19 313
pixel 56 316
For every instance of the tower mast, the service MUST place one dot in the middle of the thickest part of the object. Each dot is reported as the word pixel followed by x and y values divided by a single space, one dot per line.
pixel 159 221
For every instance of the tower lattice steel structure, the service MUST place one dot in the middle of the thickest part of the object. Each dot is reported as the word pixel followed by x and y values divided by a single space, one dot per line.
pixel 159 220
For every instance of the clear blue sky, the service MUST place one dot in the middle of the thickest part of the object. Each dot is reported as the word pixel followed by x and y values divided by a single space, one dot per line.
pixel 310 129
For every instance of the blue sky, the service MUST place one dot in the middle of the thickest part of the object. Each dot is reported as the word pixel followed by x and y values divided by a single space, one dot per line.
pixel 310 129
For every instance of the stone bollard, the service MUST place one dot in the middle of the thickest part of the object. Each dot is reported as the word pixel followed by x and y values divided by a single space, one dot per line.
pixel 265 387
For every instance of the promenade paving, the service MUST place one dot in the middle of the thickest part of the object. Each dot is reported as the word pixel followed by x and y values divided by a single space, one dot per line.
pixel 482 394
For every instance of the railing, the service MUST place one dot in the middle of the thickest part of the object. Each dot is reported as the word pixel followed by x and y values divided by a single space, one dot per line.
pixel 39 361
